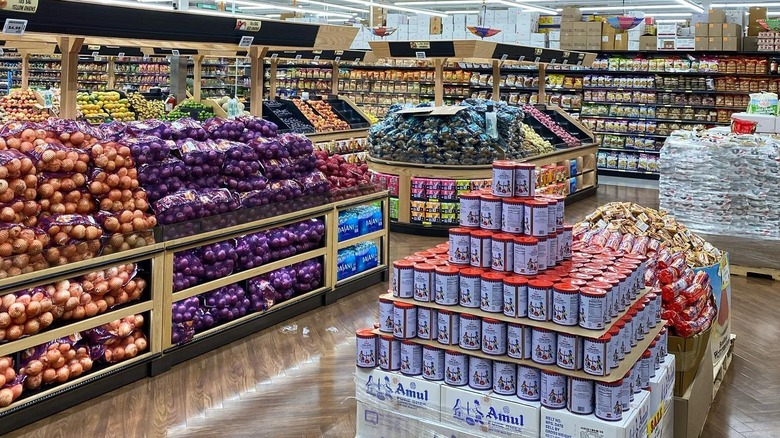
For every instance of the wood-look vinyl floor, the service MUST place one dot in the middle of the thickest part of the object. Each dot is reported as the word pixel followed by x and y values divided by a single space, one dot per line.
pixel 296 379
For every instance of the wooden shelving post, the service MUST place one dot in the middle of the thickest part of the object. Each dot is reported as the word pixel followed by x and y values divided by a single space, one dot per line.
pixel 272 80
pixel 25 71
pixel 111 78
pixel 334 87
pixel 496 81
pixel 197 76
pixel 255 80
pixel 438 96
pixel 70 47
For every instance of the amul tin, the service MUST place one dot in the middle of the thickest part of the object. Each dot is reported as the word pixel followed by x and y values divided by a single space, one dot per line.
pixel 502 253
pixel 553 390
pixel 559 247
pixel 423 282
pixel 470 209
pixel 623 346
pixel 544 346
pixel 526 259
pixel 385 315
pixel 552 211
pixel 560 212
pixel 405 316
pixel 656 357
pixel 613 294
pixel 663 343
pixel 623 290
pixel 535 218
pixel 456 372
pixel 447 285
pixel 504 378
pixel 646 369
pixel 566 241
pixel 492 292
pixel 433 363
pixel 542 249
pixel 470 287
pixel 569 354
pixel 525 179
pixel 580 398
pixel 595 360
pixel 512 215
pixel 411 358
pixel 470 332
pixel 427 323
pixel 481 248
pixel 403 279
pixel 630 330
pixel 566 304
pixel 636 324
pixel 593 302
pixel 389 353
pixel 552 250
pixel 449 327
pixel 625 395
pixel 366 348
pixel 460 246
pixel 654 316
pixel 608 407
pixel 540 296
pixel 628 386
pixel 480 373
pixel 613 356
pixel 528 383
pixel 493 336
pixel 503 178
pixel 490 212
pixel 415 259
pixel 515 296
pixel 640 321
pixel 519 341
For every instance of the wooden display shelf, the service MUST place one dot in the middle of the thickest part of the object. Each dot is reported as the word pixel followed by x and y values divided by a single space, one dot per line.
pixel 249 273
pixel 363 238
pixel 624 366
pixel 548 325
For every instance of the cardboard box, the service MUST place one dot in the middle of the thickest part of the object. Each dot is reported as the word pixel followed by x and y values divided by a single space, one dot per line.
pixel 580 29
pixel 715 29
pixel 765 125
pixel 663 427
pixel 667 30
pixel 685 43
pixel 690 410
pixel 412 396
pixel 717 16
pixel 608 30
pixel 715 44
pixel 487 413
pixel 538 40
pixel 435 26
pixel 662 400
pixel 701 43
pixel 648 43
pixel 701 29
pixel 721 285
pixel 633 46
pixel 666 43
pixel 562 423
pixel 593 28
pixel 554 44
pixel 608 42
pixel 621 41
pixel 731 30
pixel 379 423
pixel 571 13
pixel 732 44
pixel 753 27
pixel 688 354
pixel 750 44
pixel 554 35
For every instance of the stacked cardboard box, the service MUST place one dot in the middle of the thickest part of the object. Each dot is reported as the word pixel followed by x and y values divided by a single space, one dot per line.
pixel 756 13
pixel 768 41
pixel 573 30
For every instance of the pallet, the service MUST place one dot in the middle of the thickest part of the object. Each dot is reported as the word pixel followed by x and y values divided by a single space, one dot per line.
pixel 720 368
pixel 749 271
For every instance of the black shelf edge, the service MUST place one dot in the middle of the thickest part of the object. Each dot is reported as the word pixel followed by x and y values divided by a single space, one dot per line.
pixel 629 173
pixel 355 285
pixel 636 151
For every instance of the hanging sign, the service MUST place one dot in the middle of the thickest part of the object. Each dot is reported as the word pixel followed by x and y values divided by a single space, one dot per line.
pixel 419 55
pixel 175 52
pixel 246 41
pixel 26 6
pixel 13 26
pixel 420 44
pixel 248 25
pixel 48 101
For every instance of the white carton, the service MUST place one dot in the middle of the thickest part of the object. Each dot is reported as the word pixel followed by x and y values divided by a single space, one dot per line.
pixel 525 22
pixel 667 30
pixel 554 34
pixel 412 396
pixel 383 423
pixel 459 27
pixel 662 386
pixel 665 427
pixel 538 40
pixel 489 414
pixel 554 44
pixel 431 430
pixel 561 423
pixel 765 124
pixel 685 43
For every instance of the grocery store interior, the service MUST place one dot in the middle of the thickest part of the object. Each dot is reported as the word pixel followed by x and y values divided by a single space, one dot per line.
pixel 381 219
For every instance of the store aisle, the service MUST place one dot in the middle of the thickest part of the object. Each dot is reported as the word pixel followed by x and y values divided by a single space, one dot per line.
pixel 295 380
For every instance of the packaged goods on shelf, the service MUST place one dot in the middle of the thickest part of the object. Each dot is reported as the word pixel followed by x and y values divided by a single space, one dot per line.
pixel 707 167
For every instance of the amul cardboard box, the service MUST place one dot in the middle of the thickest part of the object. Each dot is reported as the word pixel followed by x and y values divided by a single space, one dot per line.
pixel 720 280
pixel 661 422
pixel 689 354
pixel 560 423
pixel 413 396
pixel 373 422
pixel 690 410
pixel 489 414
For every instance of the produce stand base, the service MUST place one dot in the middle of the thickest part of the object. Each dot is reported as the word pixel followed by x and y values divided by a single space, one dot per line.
pixel 749 271
pixel 73 395
pixel 351 286
pixel 720 368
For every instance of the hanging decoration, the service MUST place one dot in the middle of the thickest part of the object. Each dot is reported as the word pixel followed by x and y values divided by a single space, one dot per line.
pixel 773 25
pixel 624 22
pixel 481 30
pixel 383 31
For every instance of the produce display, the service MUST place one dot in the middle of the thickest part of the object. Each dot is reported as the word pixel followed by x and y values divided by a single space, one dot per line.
pixel 146 109
pixel 11 387
pixel 333 122
pixel 279 109
pixel 356 259
pixel 550 124
pixel 346 179
pixel 723 183
pixel 202 312
pixel 102 106
pixel 189 108
pixel 21 106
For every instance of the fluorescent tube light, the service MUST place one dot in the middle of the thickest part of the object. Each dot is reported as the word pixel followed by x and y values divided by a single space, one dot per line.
pixel 537 9
pixel 670 14
pixel 397 8
pixel 461 2
pixel 691 5
pixel 631 7
pixel 254 5
pixel 670 21
pixel 330 5
pixel 743 5
pixel 465 11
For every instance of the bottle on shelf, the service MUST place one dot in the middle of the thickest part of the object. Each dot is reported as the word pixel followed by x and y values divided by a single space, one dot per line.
pixel 170 103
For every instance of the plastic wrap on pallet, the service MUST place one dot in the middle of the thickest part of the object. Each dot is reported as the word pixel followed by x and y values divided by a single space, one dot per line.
pixel 722 184
pixel 392 404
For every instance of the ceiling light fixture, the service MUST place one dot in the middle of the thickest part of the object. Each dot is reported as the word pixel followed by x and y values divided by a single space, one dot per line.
pixel 743 5
pixel 637 7
pixel 464 11
pixel 691 5
pixel 537 9
pixel 670 21
pixel 329 5
pixel 397 8
pixel 248 6
pixel 462 2
pixel 670 14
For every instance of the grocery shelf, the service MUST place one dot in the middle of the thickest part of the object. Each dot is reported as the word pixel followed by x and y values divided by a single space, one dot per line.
pixel 74 327
pixel 381 267
pixel 636 151
pixel 547 325
pixel 363 238
pixel 624 366
pixel 636 173
pixel 249 273
pixel 629 134
pixel 655 119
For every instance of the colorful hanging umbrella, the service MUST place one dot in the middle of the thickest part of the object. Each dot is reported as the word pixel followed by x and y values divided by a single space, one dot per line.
pixel 483 32
pixel 383 31
pixel 624 22
pixel 769 24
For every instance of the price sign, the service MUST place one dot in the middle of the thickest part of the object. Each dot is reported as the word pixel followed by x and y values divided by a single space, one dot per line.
pixel 420 55
pixel 337 59
pixel 248 25
pixel 175 52
pixel 504 57
pixel 274 55
pixel 26 6
pixel 48 101
pixel 298 57
pixel 233 109
pixel 246 41
pixel 120 55
pixel 2 52
pixel 316 58
pixel 13 26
